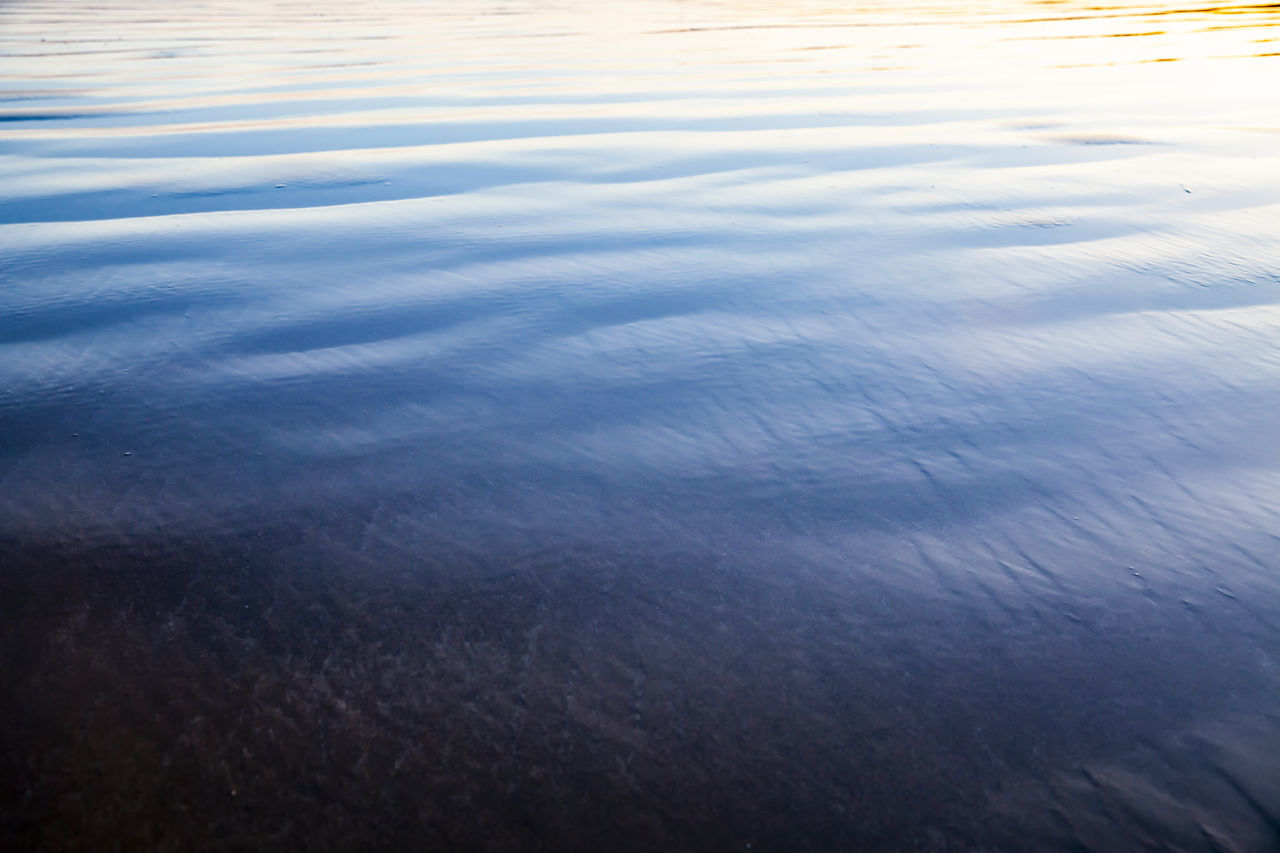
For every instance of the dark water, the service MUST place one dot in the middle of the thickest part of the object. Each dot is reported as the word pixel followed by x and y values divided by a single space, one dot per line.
pixel 644 425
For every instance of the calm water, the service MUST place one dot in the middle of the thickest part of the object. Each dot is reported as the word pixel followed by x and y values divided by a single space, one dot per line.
pixel 643 425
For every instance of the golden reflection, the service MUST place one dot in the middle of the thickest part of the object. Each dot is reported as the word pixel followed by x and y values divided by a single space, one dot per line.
pixel 1154 33
pixel 1159 32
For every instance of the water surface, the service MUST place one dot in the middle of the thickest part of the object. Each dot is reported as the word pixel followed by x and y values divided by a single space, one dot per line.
pixel 653 424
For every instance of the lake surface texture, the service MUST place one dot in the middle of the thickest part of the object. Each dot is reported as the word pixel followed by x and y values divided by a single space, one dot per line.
pixel 643 425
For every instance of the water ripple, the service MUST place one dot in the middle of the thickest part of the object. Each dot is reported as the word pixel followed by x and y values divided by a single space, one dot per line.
pixel 904 377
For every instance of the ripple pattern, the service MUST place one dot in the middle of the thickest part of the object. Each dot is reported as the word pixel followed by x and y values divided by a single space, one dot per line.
pixel 910 320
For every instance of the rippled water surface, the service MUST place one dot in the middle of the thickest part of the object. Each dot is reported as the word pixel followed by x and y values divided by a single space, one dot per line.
pixel 645 425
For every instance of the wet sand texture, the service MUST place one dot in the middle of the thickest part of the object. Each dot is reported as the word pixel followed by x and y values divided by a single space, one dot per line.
pixel 586 701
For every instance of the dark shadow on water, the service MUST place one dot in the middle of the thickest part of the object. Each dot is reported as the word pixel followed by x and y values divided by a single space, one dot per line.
pixel 273 690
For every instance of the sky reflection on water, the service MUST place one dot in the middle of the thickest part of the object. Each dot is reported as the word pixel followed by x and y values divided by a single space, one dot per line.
pixel 957 320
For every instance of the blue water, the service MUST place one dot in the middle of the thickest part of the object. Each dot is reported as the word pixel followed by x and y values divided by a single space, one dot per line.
pixel 899 381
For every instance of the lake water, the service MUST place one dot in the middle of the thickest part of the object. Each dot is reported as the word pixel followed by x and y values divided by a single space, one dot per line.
pixel 669 424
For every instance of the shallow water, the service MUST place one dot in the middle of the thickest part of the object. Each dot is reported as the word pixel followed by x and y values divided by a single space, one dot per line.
pixel 686 424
